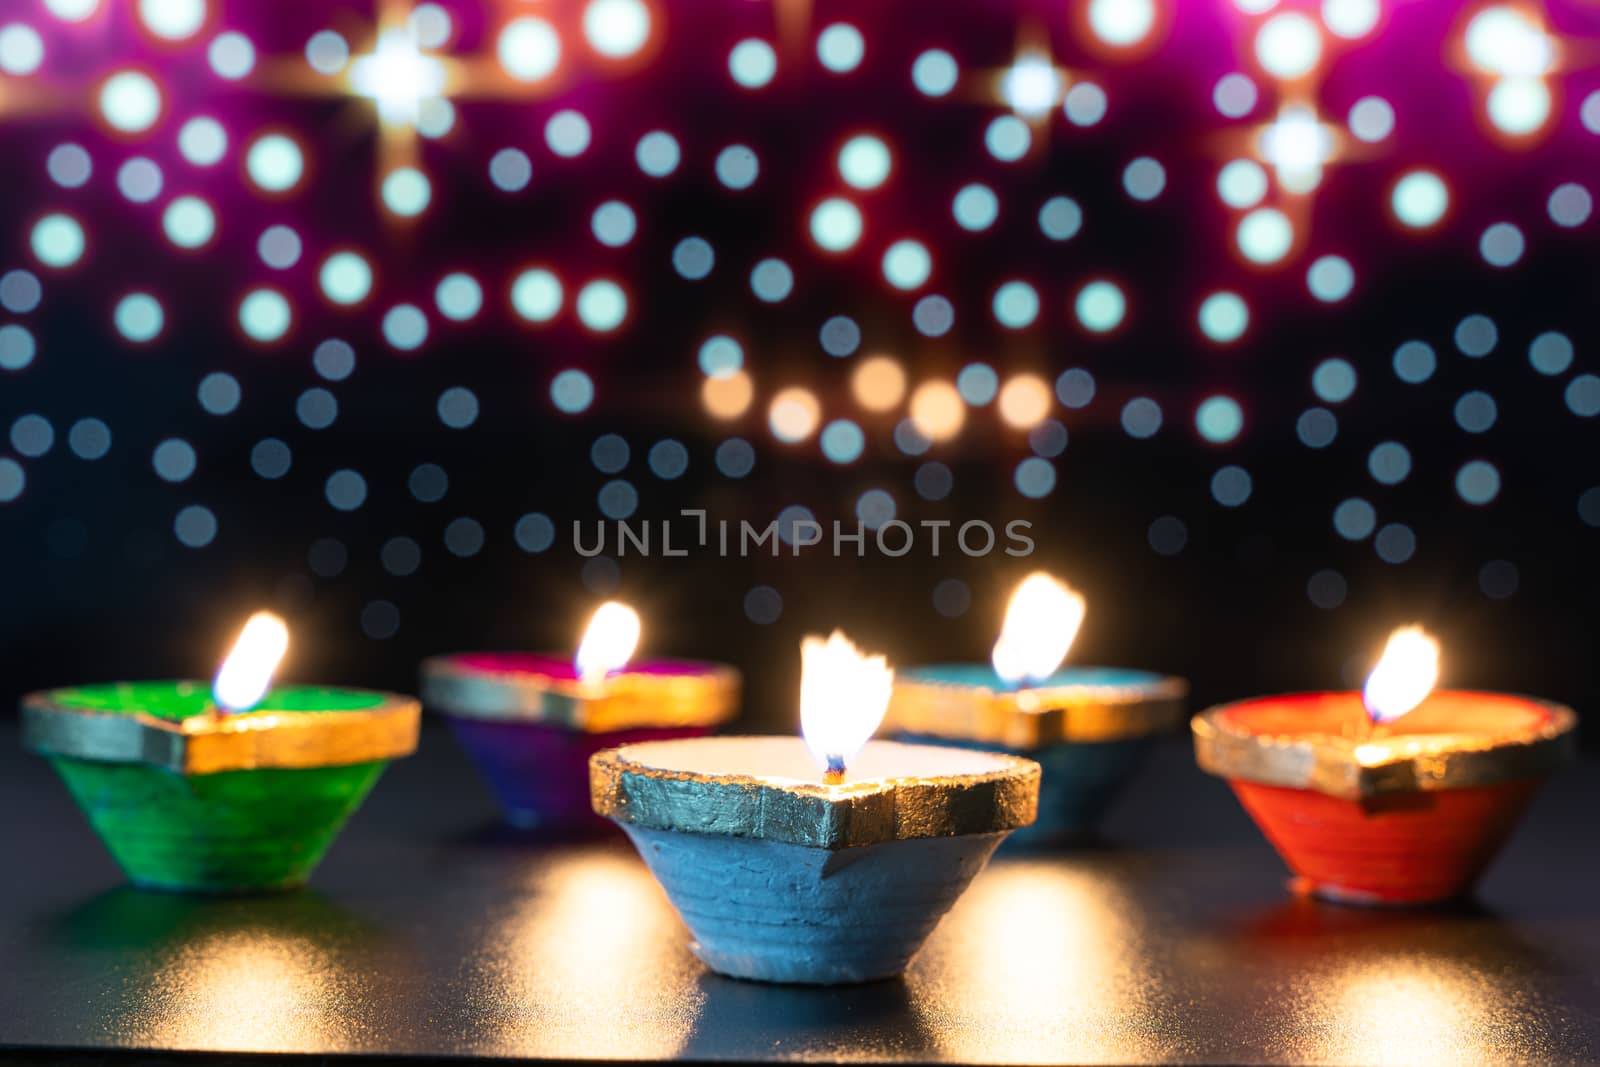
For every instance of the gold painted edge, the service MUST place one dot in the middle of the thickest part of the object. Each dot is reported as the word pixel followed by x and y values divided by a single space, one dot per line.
pixel 1035 718
pixel 208 744
pixel 1332 766
pixel 623 702
pixel 815 815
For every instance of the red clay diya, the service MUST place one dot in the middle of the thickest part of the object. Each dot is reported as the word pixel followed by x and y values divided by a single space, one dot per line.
pixel 530 721
pixel 1409 809
pixel 232 789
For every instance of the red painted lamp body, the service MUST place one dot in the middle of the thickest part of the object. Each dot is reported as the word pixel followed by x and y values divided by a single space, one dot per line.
pixel 530 724
pixel 186 799
pixel 1404 814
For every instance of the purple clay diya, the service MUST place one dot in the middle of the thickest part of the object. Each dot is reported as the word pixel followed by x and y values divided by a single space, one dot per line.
pixel 530 722
pixel 1089 728
pixel 1397 795
pixel 821 861
pixel 238 789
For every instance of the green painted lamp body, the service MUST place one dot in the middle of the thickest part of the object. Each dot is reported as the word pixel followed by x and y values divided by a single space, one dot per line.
pixel 230 831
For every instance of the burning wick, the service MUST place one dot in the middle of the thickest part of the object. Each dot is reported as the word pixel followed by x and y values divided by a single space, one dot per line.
pixel 244 677
pixel 843 695
pixel 1406 673
pixel 611 637
pixel 1042 620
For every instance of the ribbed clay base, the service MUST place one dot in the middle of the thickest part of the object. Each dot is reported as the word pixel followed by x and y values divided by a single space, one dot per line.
pixel 230 832
pixel 1400 849
pixel 776 912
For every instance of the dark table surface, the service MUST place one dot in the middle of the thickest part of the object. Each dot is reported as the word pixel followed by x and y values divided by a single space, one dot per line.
pixel 430 931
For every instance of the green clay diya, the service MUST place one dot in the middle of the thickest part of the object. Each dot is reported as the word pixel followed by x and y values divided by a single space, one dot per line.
pixel 190 795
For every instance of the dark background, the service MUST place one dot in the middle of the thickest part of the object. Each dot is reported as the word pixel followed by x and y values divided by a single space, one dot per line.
pixel 94 585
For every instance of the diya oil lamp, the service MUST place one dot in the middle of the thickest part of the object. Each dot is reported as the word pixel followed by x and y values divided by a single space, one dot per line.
pixel 1087 727
pixel 1400 794
pixel 824 860
pixel 531 721
pixel 242 787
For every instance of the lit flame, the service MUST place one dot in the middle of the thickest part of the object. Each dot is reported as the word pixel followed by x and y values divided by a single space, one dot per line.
pixel 843 695
pixel 1404 676
pixel 246 674
pixel 612 636
pixel 1041 622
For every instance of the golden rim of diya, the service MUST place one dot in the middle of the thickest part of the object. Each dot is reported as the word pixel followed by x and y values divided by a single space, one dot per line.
pixel 1358 767
pixel 237 741
pixel 1036 717
pixel 623 701
pixel 813 814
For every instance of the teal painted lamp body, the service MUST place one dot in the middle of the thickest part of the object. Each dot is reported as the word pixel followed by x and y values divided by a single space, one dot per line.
pixel 1088 728
pixel 186 799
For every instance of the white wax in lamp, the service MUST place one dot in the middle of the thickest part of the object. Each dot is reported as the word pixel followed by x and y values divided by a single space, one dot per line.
pixel 786 761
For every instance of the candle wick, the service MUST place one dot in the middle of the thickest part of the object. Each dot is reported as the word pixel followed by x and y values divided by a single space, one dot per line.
pixel 834 774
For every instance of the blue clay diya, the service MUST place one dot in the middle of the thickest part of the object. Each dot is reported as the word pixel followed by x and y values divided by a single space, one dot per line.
pixel 1088 728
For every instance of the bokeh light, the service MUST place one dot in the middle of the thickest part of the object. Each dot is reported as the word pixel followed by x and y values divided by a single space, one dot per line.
pixel 572 391
pixel 1100 306
pixel 878 383
pixel 529 48
pixel 907 264
pixel 264 315
pixel 1224 317
pixel 1016 304
pixel 130 101
pixel 1219 419
pixel 345 278
pixel 865 161
pixel 274 163
pixel 616 29
pixel 1024 401
pixel 1330 278
pixel 406 191
pixel 794 414
pixel 1419 199
pixel 975 207
pixel 1241 183
pixel 934 72
pixel 1265 236
pixel 842 441
pixel 752 63
pixel 1289 45
pixel 1060 218
pixel 458 296
pixel 937 412
pixel 536 295
pixel 57 240
pixel 836 225
pixel 727 396
pixel 189 222
pixel 840 47
pixel 1121 23
pixel 139 317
